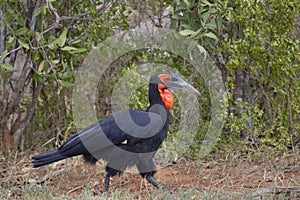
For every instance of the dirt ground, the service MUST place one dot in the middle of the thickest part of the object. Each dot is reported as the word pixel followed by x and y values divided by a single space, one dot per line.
pixel 237 174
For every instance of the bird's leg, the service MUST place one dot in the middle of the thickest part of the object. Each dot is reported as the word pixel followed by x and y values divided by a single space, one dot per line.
pixel 147 169
pixel 109 172
pixel 154 182
pixel 106 181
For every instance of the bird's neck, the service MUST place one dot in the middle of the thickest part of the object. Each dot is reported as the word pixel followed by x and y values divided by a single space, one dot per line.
pixel 161 100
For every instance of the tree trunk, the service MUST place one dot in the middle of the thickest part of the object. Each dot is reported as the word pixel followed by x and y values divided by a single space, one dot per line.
pixel 16 86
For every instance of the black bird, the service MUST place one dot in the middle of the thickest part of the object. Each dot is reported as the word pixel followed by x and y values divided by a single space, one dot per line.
pixel 125 138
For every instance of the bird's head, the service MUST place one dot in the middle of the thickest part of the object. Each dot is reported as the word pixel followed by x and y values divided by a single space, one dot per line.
pixel 166 81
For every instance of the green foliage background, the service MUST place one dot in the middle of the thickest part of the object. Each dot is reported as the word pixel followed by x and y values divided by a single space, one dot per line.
pixel 259 41
pixel 255 45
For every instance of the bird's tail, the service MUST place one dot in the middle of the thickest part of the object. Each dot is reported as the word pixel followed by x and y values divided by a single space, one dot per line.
pixel 72 147
pixel 47 158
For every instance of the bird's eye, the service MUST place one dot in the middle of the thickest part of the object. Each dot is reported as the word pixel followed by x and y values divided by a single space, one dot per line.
pixel 165 78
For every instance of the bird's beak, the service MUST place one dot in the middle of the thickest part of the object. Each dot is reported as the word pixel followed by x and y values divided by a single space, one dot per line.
pixel 180 84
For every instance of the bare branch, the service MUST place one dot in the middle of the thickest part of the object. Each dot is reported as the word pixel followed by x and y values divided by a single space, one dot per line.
pixel 33 18
pixel 3 102
pixel 48 176
pixel 54 11
pixel 72 40
pixel 266 192
pixel 15 50
pixel 269 108
pixel 21 85
pixel 47 59
pixel 37 87
pixel 52 26
pixel 289 108
pixel 2 31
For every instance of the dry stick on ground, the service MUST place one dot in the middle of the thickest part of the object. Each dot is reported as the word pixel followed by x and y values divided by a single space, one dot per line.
pixel 74 189
pixel 82 186
pixel 48 176
pixel 220 181
pixel 291 190
pixel 120 184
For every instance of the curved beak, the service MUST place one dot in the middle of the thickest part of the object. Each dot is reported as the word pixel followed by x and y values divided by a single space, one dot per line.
pixel 180 84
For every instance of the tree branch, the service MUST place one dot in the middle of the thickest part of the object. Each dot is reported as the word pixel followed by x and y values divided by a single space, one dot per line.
pixel 21 85
pixel 289 108
pixel 54 11
pixel 2 31
pixel 269 108
pixel 71 40
pixel 3 102
pixel 37 87
pixel 33 17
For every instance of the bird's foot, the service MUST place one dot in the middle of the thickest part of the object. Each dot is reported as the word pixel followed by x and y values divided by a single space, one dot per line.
pixel 154 182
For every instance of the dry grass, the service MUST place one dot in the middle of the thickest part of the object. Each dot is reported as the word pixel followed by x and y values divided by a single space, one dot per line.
pixel 228 177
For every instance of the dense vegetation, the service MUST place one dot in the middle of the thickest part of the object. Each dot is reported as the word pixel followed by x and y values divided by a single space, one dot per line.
pixel 255 45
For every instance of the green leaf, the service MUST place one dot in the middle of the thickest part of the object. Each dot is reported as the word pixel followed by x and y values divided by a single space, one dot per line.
pixel 38 36
pixel 177 17
pixel 68 48
pixel 21 31
pixel 187 3
pixel 7 66
pixel 2 4
pixel 206 3
pixel 211 35
pixel 40 10
pixel 3 55
pixel 62 38
pixel 67 76
pixel 10 40
pixel 211 25
pixel 186 26
pixel 73 50
pixel 4 74
pixel 202 49
pixel 205 16
pixel 187 32
pixel 38 77
pixel 219 23
pixel 80 50
pixel 76 42
pixel 66 83
pixel 23 44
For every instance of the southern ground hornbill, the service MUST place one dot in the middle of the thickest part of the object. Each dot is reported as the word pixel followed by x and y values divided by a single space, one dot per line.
pixel 125 138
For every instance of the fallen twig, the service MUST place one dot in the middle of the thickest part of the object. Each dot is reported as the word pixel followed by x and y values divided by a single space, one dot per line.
pixel 74 189
pixel 291 190
pixel 220 181
pixel 120 184
pixel 48 176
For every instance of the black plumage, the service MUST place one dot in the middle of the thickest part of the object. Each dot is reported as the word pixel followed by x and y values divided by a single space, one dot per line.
pixel 125 138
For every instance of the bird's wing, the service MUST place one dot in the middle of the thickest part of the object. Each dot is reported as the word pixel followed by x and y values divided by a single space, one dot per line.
pixel 101 135
pixel 132 125
pixel 138 123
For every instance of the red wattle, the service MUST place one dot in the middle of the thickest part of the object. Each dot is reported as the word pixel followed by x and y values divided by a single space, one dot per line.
pixel 166 96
